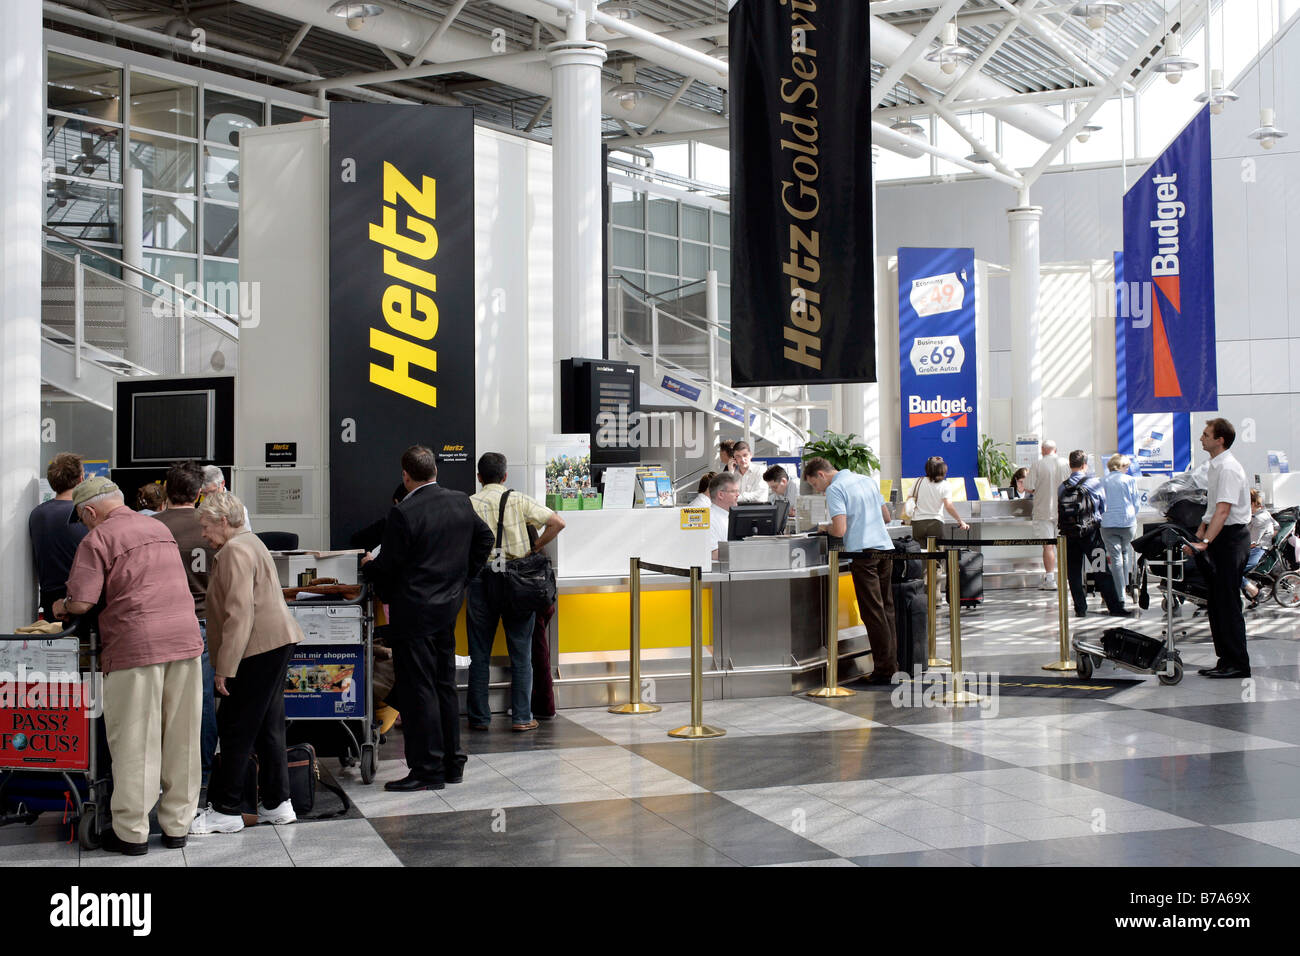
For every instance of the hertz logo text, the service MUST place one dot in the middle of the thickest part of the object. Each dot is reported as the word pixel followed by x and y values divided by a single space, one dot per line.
pixel 407 304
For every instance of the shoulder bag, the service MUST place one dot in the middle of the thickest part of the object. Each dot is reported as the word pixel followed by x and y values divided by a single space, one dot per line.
pixel 527 584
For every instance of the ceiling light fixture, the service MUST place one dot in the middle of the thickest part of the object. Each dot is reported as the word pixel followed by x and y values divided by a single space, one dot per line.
pixel 628 92
pixel 950 51
pixel 1173 64
pixel 1218 94
pixel 1087 129
pixel 355 14
pixel 908 128
pixel 1094 13
pixel 1267 134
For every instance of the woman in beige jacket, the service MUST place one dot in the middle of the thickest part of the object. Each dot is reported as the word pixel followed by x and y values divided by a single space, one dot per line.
pixel 251 634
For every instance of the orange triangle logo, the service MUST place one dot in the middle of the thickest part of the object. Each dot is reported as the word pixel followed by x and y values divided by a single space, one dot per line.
pixel 1169 285
pixel 1166 375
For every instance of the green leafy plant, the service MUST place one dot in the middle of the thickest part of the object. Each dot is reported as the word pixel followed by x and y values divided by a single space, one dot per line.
pixel 843 453
pixel 993 462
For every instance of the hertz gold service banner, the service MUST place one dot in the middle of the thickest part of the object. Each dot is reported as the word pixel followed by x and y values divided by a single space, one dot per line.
pixel 401 348
pixel 802 308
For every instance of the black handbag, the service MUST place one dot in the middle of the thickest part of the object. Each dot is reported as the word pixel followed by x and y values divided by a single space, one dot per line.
pixel 304 775
pixel 525 584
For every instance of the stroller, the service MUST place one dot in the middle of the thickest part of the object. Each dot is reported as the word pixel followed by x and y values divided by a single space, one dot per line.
pixel 1278 572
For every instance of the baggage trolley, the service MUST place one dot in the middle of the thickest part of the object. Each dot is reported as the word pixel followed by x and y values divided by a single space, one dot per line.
pixel 49 733
pixel 331 676
pixel 1137 652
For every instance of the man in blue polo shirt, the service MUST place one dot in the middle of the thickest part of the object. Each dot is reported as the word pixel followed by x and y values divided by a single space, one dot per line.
pixel 859 514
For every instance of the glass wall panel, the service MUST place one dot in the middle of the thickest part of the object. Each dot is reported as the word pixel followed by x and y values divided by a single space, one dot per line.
pixel 89 213
pixel 82 148
pixel 83 87
pixel 722 230
pixel 627 208
pixel 628 249
pixel 166 164
pixel 663 255
pixel 663 216
pixel 220 230
pixel 221 174
pixel 169 223
pixel 166 106
pixel 225 116
pixel 695 223
pixel 285 114
pixel 695 260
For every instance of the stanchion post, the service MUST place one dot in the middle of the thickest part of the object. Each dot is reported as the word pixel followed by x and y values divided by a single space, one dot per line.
pixel 634 704
pixel 957 694
pixel 931 601
pixel 1063 662
pixel 697 729
pixel 832 688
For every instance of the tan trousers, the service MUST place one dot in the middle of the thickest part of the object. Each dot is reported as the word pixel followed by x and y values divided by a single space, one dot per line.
pixel 152 715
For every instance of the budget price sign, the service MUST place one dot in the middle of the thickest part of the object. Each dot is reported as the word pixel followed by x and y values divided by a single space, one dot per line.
pixel 937 378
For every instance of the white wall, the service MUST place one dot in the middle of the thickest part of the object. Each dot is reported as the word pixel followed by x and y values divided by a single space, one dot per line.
pixel 1257 295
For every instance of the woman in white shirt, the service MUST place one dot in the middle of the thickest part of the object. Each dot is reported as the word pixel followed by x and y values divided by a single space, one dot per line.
pixel 702 499
pixel 933 497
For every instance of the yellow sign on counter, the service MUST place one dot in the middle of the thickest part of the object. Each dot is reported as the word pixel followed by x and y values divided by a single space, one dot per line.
pixel 695 519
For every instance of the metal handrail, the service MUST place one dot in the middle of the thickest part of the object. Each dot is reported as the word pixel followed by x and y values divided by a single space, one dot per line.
pixel 93 352
pixel 100 253
pixel 670 302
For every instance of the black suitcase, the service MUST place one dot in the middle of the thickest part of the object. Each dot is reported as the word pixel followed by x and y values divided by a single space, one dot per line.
pixel 910 629
pixel 907 569
pixel 970 578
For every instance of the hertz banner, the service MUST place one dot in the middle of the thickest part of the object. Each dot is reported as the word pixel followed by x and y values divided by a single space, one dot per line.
pixel 802 304
pixel 1168 295
pixel 401 301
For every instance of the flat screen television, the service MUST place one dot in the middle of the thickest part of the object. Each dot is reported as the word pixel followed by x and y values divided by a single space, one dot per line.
pixel 173 426
pixel 745 521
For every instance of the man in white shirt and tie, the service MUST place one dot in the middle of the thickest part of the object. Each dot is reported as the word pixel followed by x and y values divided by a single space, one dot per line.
pixel 753 489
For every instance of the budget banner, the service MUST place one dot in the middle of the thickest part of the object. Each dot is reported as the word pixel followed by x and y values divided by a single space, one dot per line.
pixel 802 270
pixel 937 384
pixel 401 325
pixel 1167 296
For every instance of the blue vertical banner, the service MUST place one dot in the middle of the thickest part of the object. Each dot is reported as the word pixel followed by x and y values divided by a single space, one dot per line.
pixel 1157 443
pixel 1168 298
pixel 937 360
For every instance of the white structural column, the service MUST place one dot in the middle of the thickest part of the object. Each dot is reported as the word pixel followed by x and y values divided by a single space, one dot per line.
pixel 578 178
pixel 22 123
pixel 1027 382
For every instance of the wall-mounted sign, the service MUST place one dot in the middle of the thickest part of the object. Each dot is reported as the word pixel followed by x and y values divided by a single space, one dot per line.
pixel 281 454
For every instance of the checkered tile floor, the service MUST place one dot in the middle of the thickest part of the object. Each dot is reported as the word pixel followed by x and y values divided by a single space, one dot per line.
pixel 1205 773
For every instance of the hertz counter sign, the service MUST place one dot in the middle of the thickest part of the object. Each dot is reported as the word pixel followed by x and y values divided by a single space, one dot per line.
pixel 401 301
pixel 801 295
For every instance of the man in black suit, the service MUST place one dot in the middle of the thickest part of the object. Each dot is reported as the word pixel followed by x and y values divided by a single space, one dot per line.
pixel 433 545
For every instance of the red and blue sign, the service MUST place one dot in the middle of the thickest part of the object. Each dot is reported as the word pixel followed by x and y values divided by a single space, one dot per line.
pixel 937 360
pixel 1168 298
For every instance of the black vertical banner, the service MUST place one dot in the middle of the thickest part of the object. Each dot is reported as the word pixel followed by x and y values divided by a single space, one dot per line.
pixel 401 301
pixel 802 308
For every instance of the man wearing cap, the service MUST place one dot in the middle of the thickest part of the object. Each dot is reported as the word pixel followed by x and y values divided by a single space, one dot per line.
pixel 129 566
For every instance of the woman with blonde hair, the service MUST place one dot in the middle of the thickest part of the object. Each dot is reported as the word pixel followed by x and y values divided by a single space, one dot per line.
pixel 1119 522
pixel 251 634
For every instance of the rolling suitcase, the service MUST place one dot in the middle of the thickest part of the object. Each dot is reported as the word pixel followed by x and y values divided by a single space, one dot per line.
pixel 910 630
pixel 971 578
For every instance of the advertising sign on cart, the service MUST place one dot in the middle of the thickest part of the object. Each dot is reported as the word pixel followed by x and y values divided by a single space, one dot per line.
pixel 44 725
pixel 326 682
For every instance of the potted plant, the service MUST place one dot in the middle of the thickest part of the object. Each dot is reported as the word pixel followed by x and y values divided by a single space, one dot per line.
pixel 843 453
pixel 993 463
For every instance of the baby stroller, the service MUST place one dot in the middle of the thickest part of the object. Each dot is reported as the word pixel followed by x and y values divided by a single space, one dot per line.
pixel 1278 572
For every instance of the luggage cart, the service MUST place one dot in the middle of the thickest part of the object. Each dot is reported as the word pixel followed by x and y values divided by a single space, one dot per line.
pixel 49 734
pixel 331 675
pixel 1137 652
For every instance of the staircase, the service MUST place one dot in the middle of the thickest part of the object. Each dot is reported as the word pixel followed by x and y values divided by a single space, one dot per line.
pixel 687 358
pixel 97 328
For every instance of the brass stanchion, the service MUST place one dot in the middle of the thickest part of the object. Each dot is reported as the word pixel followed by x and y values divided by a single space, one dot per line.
pixel 931 597
pixel 634 704
pixel 956 695
pixel 832 688
pixel 697 729
pixel 1063 663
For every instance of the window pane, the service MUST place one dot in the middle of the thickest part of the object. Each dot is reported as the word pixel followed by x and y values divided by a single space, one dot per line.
pixel 636 278
pixel 80 148
pixel 284 114
pixel 91 260
pixel 163 105
pixel 91 213
pixel 712 165
pixel 660 284
pixel 674 159
pixel 695 260
pixel 722 230
pixel 628 249
pixel 174 269
pixel 225 116
pixel 169 223
pixel 220 230
pixel 220 174
pixel 722 265
pixel 695 223
pixel 663 216
pixel 627 208
pixel 217 279
pixel 663 255
pixel 167 164
pixel 82 87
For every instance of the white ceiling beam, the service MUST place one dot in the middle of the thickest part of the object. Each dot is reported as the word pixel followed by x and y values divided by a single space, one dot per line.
pixel 537 117
pixel 425 69
pixel 915 50
pixel 981 61
pixel 1033 21
pixel 716 134
pixel 1039 98
pixel 672 101
pixel 951 118
pixel 292 48
pixel 438 33
pixel 881 131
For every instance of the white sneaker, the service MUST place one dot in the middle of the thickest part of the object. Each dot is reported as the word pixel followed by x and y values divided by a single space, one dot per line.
pixel 208 821
pixel 1049 583
pixel 278 816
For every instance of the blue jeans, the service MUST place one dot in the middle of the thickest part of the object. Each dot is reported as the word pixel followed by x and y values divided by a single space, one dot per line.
pixel 482 611
pixel 208 726
pixel 1255 555
pixel 1118 543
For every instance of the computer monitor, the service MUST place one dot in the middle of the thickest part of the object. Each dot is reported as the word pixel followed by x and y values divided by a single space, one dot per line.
pixel 744 521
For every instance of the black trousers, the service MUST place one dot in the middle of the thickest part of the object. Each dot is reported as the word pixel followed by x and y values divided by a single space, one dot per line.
pixel 251 721
pixel 1077 551
pixel 873 584
pixel 1227 555
pixel 425 694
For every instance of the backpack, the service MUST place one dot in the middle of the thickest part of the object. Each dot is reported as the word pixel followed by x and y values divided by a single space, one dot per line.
pixel 1076 513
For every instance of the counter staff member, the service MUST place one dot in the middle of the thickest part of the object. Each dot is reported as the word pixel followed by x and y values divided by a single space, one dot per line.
pixel 724 491
pixel 151 647
pixel 752 489
pixel 1224 538
pixel 433 545
pixel 54 540
pixel 859 515
pixel 778 483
